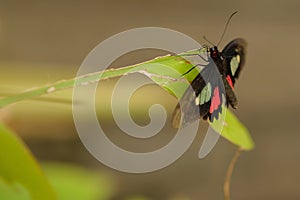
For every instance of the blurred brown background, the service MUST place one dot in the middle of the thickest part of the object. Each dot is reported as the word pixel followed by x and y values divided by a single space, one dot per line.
pixel 46 41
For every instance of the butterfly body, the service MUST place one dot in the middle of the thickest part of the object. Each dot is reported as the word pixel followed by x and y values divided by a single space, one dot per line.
pixel 213 86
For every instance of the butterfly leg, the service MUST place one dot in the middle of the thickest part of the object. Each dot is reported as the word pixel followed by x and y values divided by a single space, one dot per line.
pixel 197 65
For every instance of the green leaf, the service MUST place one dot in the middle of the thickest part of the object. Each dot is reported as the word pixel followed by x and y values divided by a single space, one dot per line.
pixel 18 167
pixel 233 130
pixel 167 72
pixel 170 66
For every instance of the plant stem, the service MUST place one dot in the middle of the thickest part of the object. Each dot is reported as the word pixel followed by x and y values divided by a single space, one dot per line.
pixel 229 174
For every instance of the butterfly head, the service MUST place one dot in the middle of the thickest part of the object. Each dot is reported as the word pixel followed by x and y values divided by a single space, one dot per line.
pixel 214 52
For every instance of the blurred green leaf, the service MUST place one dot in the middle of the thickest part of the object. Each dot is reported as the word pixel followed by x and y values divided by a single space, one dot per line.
pixel 13 192
pixel 19 167
pixel 74 182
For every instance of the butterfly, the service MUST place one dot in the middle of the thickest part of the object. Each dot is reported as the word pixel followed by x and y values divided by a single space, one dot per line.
pixel 213 86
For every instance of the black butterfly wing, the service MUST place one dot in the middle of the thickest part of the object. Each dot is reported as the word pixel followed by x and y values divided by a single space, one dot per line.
pixel 234 58
pixel 203 99
pixel 216 98
pixel 187 104
pixel 233 61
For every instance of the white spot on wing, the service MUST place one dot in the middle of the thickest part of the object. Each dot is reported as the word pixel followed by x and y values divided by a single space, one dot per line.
pixel 234 64
pixel 205 94
pixel 197 101
pixel 238 58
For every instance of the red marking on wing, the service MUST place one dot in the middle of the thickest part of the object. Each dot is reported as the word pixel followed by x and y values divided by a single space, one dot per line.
pixel 216 101
pixel 229 81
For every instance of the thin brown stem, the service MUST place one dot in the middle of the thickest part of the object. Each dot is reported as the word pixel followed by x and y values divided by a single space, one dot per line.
pixel 229 174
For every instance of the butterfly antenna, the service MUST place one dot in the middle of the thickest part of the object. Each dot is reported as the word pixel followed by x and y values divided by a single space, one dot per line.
pixel 208 41
pixel 226 26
